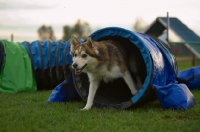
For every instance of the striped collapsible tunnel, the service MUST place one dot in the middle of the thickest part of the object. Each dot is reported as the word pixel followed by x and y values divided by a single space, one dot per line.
pixel 50 62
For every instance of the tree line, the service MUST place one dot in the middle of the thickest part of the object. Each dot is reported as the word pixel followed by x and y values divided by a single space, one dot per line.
pixel 80 29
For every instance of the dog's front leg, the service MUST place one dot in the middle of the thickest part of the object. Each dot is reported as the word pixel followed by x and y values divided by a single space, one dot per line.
pixel 131 84
pixel 92 91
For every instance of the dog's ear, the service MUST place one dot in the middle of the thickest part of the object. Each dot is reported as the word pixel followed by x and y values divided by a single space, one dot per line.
pixel 74 42
pixel 90 42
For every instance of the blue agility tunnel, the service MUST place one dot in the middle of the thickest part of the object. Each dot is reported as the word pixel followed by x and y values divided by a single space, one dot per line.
pixel 50 62
pixel 159 79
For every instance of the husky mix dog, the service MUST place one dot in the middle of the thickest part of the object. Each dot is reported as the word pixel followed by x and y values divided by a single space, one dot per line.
pixel 102 60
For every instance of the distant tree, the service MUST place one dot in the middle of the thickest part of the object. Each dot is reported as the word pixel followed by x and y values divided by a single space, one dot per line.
pixel 139 25
pixel 46 33
pixel 66 32
pixel 80 30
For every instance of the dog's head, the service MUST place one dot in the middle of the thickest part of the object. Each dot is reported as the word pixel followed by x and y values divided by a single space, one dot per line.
pixel 83 54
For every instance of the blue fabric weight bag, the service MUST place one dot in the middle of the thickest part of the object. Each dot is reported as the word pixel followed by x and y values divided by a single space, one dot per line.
pixel 190 77
pixel 64 92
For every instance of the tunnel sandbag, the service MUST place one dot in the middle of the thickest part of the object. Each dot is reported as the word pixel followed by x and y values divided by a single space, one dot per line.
pixel 190 77
pixel 16 73
pixel 64 92
pixel 50 61
pixel 159 66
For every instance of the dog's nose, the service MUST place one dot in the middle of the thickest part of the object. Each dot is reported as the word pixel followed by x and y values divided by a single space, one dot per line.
pixel 74 65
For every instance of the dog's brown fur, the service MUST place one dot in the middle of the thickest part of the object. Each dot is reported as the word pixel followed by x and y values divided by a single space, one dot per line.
pixel 110 53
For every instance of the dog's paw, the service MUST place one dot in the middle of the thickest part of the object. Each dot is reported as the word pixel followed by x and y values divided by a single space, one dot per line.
pixel 85 108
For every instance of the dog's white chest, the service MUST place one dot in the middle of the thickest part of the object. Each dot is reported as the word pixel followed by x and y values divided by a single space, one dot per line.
pixel 105 74
pixel 108 75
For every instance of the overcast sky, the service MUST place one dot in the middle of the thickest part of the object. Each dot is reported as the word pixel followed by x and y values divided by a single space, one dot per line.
pixel 23 17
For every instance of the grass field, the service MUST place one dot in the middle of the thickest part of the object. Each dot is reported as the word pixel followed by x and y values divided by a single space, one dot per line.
pixel 29 112
pixel 187 64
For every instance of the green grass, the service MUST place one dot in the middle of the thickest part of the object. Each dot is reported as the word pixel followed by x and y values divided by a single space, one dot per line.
pixel 29 112
pixel 187 64
pixel 25 112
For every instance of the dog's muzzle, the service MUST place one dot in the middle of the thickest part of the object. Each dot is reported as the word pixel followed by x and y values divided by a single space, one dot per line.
pixel 78 71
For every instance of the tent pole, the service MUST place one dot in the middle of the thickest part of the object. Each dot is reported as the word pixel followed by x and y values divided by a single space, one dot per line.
pixel 168 30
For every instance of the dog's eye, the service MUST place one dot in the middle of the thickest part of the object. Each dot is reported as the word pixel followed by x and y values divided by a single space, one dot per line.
pixel 75 55
pixel 83 55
